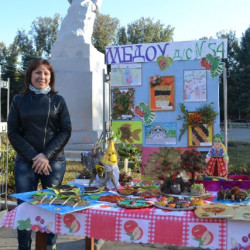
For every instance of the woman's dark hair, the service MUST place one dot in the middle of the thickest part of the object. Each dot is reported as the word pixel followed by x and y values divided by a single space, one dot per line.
pixel 32 66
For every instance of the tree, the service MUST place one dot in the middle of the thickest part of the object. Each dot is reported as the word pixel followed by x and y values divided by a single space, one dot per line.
pixel 244 75
pixel 44 33
pixel 233 76
pixel 9 63
pixel 104 33
pixel 122 38
pixel 144 30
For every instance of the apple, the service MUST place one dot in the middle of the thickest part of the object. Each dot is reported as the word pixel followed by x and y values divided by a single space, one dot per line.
pixel 198 231
pixel 68 219
pixel 36 228
pixel 137 233
pixel 129 226
pixel 207 238
pixel 75 226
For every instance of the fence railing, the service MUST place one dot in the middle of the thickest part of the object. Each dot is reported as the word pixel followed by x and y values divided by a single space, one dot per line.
pixel 231 125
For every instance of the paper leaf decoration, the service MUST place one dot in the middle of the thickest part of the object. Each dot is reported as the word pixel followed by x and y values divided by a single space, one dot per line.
pixel 213 64
pixel 142 110
pixel 164 62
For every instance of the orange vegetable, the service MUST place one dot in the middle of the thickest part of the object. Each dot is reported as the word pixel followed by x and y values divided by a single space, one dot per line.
pixel 164 198
pixel 172 205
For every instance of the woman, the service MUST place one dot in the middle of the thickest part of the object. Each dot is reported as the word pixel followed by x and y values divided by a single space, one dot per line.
pixel 39 127
pixel 217 158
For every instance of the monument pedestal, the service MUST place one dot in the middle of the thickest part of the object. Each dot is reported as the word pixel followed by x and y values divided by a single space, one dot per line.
pixel 80 72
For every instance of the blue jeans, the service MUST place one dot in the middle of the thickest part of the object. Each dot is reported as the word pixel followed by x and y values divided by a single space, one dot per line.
pixel 27 180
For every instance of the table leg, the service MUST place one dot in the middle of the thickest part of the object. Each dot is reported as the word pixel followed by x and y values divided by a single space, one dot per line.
pixel 89 243
pixel 41 241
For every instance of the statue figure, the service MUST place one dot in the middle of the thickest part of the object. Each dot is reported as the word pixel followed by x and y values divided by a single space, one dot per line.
pixel 80 20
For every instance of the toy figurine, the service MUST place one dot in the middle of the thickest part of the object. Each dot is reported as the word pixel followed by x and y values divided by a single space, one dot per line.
pixel 109 160
pixel 217 158
pixel 107 172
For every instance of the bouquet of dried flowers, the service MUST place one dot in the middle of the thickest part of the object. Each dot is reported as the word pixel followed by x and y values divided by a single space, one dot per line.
pixel 155 80
pixel 203 115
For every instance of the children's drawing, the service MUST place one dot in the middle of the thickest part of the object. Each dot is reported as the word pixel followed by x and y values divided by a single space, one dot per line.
pixel 161 133
pixel 142 110
pixel 127 74
pixel 195 86
pixel 130 131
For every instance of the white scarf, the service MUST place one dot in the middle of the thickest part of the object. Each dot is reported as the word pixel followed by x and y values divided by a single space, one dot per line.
pixel 40 91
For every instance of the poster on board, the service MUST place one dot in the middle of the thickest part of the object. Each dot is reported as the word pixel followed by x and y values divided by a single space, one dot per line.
pixel 200 136
pixel 195 86
pixel 162 94
pixel 161 133
pixel 126 74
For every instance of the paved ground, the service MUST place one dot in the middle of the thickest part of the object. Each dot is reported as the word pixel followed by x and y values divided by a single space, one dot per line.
pixel 8 241
pixel 238 134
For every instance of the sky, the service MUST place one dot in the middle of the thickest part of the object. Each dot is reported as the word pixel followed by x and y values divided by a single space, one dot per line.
pixel 192 19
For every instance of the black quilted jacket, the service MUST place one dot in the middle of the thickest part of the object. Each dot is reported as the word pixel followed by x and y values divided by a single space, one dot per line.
pixel 39 124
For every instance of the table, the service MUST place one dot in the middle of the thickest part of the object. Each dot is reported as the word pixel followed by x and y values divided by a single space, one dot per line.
pixel 147 225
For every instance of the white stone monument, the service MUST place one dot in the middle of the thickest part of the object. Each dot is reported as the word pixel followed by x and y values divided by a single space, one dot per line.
pixel 80 72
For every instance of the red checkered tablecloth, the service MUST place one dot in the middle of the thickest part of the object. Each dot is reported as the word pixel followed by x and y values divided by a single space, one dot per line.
pixel 148 225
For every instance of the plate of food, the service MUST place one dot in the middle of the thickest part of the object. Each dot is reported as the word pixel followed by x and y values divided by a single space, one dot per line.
pixel 91 190
pixel 113 198
pixel 175 203
pixel 214 210
pixel 127 191
pixel 135 203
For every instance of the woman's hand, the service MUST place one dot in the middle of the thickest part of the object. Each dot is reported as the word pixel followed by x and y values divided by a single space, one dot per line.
pixel 41 164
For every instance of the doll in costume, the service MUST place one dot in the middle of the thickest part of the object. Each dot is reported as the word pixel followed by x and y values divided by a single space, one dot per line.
pixel 217 158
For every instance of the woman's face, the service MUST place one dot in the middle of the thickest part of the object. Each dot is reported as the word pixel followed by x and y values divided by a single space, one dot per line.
pixel 40 77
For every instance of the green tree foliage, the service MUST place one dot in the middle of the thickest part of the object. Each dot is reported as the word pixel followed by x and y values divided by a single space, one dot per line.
pixel 233 77
pixel 9 69
pixel 122 36
pixel 44 32
pixel 244 75
pixel 104 33
pixel 15 58
pixel 145 30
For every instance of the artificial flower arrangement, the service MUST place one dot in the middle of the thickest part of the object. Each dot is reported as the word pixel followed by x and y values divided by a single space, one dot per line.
pixel 192 161
pixel 203 115
pixel 155 80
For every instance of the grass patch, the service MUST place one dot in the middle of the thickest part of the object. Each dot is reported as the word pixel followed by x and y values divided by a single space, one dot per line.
pixel 72 169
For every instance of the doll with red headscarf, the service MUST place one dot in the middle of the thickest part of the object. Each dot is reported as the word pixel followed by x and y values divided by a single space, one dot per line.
pixel 217 158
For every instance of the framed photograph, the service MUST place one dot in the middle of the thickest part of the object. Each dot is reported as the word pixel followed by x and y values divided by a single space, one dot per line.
pixel 200 136
pixel 195 86
pixel 125 75
pixel 161 133
pixel 162 93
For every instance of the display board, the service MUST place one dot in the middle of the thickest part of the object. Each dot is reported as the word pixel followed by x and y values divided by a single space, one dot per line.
pixel 172 73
